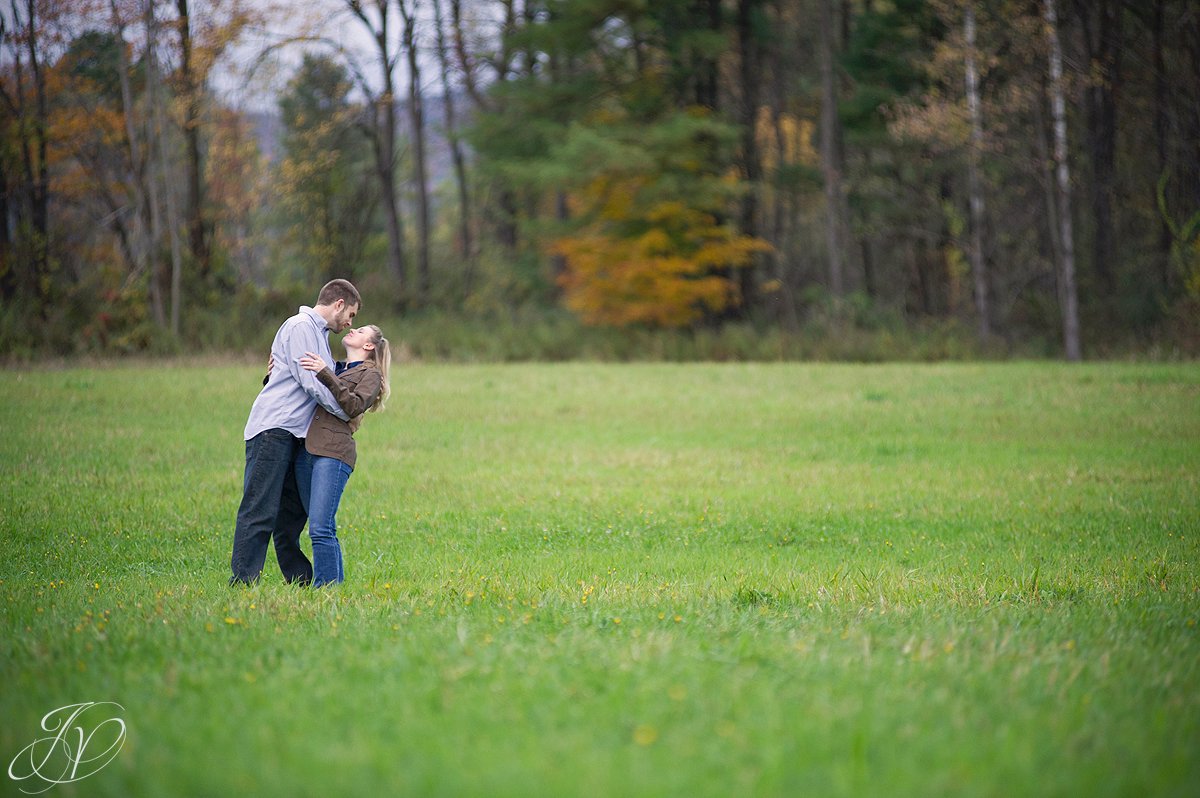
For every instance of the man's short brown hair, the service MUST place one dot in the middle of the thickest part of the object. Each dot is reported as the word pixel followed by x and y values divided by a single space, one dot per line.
pixel 334 290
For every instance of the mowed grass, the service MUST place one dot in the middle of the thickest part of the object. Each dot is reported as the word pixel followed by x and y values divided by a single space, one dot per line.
pixel 625 580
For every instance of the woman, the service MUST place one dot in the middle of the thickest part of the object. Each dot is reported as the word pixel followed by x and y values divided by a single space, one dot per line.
pixel 329 452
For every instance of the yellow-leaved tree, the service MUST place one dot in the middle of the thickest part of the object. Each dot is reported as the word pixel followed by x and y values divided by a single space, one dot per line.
pixel 648 243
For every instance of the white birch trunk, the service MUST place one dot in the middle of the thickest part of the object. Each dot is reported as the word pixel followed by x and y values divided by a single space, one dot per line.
pixel 974 187
pixel 1067 292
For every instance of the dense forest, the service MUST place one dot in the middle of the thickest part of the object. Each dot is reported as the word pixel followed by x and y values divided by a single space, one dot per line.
pixel 1008 177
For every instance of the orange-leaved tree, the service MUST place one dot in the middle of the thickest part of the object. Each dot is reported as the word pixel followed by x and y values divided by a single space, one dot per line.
pixel 648 244
pixel 671 270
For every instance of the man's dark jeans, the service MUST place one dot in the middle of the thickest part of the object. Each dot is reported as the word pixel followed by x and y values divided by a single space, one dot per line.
pixel 271 508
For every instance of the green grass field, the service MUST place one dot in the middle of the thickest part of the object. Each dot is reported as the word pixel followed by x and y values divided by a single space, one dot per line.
pixel 613 580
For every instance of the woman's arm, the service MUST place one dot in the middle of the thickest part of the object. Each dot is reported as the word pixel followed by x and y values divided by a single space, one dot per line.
pixel 302 340
pixel 354 400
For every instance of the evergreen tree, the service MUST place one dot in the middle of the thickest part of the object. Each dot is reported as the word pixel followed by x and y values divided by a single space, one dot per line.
pixel 326 192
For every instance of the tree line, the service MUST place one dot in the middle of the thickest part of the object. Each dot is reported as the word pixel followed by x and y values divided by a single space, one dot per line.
pixel 1026 172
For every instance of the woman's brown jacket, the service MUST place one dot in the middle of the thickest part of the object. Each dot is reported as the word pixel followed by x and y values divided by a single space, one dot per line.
pixel 355 390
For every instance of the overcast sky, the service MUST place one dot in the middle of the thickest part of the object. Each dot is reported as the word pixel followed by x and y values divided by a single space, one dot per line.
pixel 248 81
pixel 245 79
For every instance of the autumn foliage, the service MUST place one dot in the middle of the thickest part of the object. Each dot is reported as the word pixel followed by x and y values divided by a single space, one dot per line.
pixel 664 266
pixel 650 238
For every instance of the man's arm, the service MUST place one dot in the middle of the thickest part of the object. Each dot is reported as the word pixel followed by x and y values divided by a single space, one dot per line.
pixel 304 339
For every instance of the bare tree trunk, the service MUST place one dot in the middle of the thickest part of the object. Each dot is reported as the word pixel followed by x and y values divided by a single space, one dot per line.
pixel 124 237
pixel 1104 47
pixel 172 210
pixel 34 144
pixel 502 214
pixel 708 70
pixel 781 230
pixel 1190 121
pixel 416 116
pixel 1068 297
pixel 562 213
pixel 919 269
pixel 784 233
pixel 830 163
pixel 156 127
pixel 41 183
pixel 157 300
pixel 868 264
pixel 199 232
pixel 503 64
pixel 382 133
pixel 8 281
pixel 1160 140
pixel 465 242
pixel 1046 178
pixel 974 151
pixel 385 172
pixel 10 212
pixel 750 76
pixel 141 249
pixel 176 254
pixel 464 59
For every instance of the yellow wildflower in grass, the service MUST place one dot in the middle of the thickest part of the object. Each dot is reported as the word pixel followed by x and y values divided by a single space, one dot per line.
pixel 644 734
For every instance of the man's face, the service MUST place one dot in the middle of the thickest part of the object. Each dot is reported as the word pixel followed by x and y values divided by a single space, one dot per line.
pixel 343 317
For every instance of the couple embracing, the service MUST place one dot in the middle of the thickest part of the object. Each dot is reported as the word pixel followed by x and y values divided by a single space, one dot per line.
pixel 300 448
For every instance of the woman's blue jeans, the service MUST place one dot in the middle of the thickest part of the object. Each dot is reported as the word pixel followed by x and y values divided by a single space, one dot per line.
pixel 321 481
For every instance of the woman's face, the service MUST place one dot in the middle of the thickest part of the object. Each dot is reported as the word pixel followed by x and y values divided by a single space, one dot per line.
pixel 359 338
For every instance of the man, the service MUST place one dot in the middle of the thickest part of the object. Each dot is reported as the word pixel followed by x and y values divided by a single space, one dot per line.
pixel 275 433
